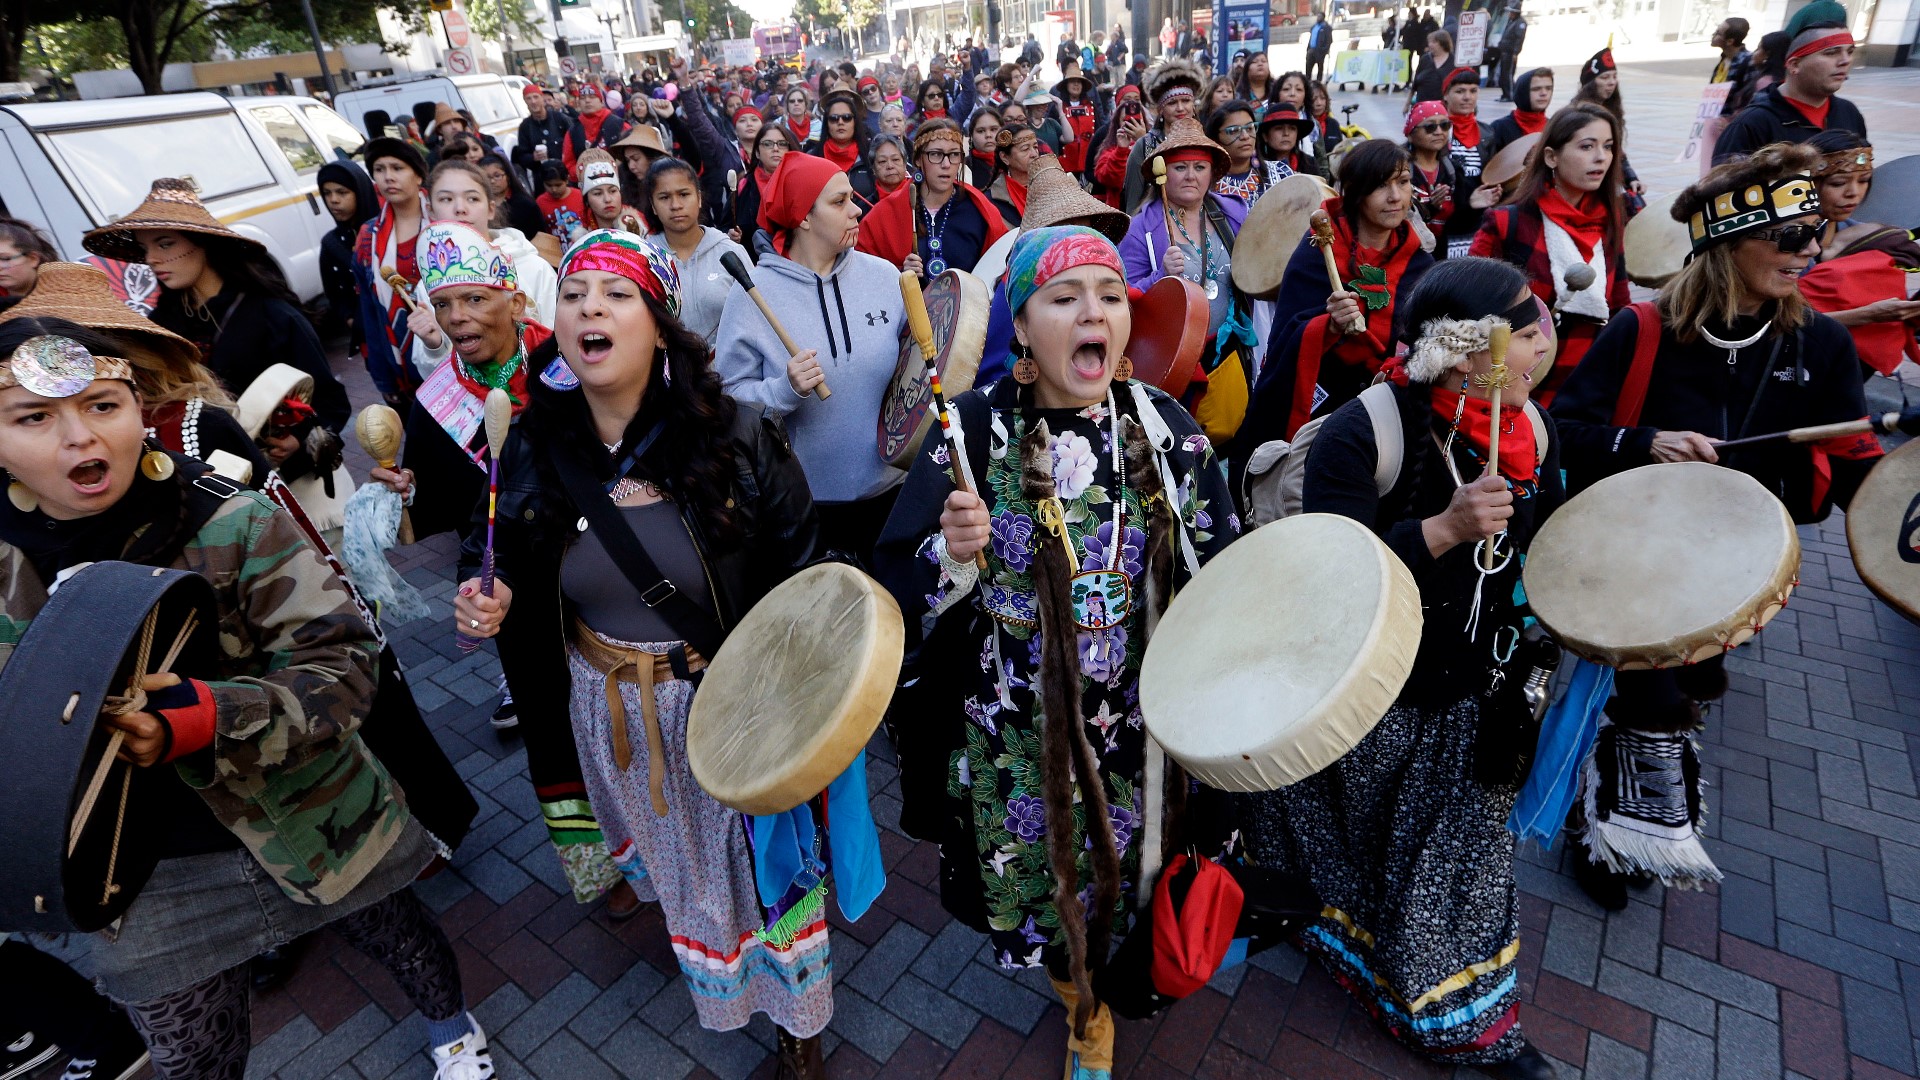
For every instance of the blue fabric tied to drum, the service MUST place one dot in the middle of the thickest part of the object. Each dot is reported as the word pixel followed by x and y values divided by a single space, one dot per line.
pixel 783 846
pixel 1566 738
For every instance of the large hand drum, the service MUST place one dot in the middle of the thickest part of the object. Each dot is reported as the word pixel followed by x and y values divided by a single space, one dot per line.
pixel 1663 565
pixel 957 305
pixel 796 691
pixel 1169 334
pixel 1657 246
pixel 68 863
pixel 1282 654
pixel 1883 530
pixel 1275 223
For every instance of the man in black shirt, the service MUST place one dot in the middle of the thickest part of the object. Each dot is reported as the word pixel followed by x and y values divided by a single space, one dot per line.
pixel 543 133
pixel 1808 102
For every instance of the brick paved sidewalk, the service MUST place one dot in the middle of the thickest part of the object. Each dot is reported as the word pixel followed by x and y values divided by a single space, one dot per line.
pixel 1805 962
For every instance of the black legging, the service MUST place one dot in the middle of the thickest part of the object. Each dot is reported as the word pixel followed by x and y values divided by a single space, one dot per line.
pixel 205 1031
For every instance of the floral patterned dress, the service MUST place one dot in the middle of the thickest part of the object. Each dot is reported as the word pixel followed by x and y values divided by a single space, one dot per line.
pixel 994 774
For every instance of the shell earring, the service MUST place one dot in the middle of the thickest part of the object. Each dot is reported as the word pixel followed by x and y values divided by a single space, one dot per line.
pixel 22 497
pixel 156 465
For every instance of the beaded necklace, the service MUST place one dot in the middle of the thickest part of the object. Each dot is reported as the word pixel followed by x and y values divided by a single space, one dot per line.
pixel 1204 247
pixel 936 231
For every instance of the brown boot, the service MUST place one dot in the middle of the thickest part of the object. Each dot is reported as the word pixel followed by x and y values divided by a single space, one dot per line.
pixel 800 1058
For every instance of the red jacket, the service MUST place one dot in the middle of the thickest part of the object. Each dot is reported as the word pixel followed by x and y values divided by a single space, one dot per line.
pixel 1110 174
pixel 888 231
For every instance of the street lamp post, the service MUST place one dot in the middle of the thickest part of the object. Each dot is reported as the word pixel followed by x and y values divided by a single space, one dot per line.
pixel 319 50
pixel 506 32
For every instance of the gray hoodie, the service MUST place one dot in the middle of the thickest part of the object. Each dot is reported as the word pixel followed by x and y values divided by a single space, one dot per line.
pixel 856 318
pixel 704 283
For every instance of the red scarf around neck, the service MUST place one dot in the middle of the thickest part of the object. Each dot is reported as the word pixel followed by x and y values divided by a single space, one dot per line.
pixel 1585 223
pixel 845 156
pixel 1320 342
pixel 1466 131
pixel 1016 194
pixel 1519 458
pixel 1815 114
pixel 1530 123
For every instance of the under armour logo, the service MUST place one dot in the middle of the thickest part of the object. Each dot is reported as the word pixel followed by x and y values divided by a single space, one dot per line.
pixel 875 318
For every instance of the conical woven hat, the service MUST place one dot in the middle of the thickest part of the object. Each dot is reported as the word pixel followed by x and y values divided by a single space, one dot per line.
pixel 1068 74
pixel 171 204
pixel 1185 134
pixel 1055 198
pixel 83 294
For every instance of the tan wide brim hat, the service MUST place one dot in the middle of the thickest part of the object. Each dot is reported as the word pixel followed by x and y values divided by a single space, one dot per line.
pixel 1054 197
pixel 171 204
pixel 1069 74
pixel 644 136
pixel 1186 134
pixel 83 294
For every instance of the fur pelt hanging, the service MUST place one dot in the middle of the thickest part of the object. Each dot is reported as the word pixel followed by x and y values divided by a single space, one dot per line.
pixel 1065 752
pixel 1143 472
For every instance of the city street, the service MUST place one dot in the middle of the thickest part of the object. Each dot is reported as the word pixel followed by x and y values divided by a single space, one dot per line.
pixel 1804 962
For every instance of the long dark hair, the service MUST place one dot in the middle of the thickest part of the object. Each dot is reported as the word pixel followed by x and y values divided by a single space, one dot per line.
pixel 1366 169
pixel 243 268
pixel 515 189
pixel 1465 288
pixel 692 459
pixel 1561 130
pixel 1589 93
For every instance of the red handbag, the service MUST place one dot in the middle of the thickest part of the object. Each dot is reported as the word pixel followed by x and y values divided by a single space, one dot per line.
pixel 1195 909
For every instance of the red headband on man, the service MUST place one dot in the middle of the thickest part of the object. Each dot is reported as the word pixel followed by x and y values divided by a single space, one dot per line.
pixel 1837 37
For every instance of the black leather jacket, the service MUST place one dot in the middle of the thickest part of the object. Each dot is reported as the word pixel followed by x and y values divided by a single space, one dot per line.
pixel 536 524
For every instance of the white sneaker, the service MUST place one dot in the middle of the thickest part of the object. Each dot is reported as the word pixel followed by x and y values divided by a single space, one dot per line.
pixel 464 1059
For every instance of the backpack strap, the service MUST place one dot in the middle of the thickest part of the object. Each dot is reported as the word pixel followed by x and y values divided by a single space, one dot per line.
pixel 1388 438
pixel 1539 433
pixel 1633 392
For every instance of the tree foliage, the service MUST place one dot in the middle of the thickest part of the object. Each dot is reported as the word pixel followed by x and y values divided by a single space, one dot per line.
pixel 154 33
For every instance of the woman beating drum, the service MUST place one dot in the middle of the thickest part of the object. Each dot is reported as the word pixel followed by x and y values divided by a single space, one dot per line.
pixel 269 777
pixel 190 414
pixel 1316 362
pixel 1185 230
pixel 844 310
pixel 1730 350
pixel 1089 485
pixel 694 508
pixel 1404 840
pixel 1562 228
pixel 955 222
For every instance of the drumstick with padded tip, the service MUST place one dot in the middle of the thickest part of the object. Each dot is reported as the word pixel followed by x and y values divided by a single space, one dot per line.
pixel 400 285
pixel 1323 239
pixel 1495 380
pixel 922 329
pixel 739 271
pixel 107 757
pixel 1887 423
pixel 499 417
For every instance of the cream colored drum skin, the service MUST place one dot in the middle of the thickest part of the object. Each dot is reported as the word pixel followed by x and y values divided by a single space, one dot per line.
pixel 1281 654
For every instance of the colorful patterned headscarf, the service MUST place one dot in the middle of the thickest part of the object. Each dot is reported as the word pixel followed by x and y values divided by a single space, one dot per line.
pixel 622 253
pixel 1040 254
pixel 454 255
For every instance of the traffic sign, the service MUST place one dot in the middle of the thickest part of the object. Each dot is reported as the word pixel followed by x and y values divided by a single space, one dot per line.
pixel 456 25
pixel 461 62
pixel 569 66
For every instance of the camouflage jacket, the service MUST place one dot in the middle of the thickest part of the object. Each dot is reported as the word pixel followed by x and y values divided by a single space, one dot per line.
pixel 287 772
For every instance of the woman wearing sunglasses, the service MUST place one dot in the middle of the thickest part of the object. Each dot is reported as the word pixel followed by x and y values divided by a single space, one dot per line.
pixel 1247 177
pixel 1429 130
pixel 1566 215
pixel 1739 352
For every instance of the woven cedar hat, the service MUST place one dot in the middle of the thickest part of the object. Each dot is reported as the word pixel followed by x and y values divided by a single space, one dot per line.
pixel 83 294
pixel 1185 135
pixel 171 204
pixel 1055 198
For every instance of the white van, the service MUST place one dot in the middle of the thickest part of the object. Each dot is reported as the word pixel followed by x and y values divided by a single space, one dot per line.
pixel 494 100
pixel 71 166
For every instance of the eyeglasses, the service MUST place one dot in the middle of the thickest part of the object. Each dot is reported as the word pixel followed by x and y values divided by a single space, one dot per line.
pixel 1434 127
pixel 1234 131
pixel 942 157
pixel 840 118
pixel 1790 239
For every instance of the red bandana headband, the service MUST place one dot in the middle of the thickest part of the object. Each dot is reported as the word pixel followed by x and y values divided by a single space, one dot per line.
pixel 614 252
pixel 1819 40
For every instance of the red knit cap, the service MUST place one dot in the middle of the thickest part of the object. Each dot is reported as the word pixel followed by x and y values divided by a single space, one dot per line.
pixel 790 196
